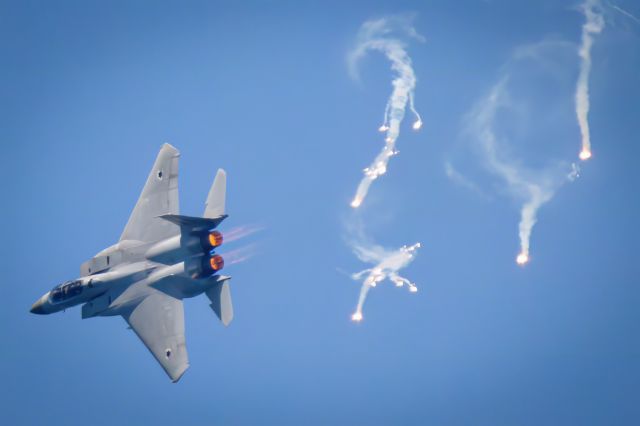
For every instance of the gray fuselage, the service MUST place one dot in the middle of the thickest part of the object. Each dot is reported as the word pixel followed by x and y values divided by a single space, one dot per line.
pixel 131 266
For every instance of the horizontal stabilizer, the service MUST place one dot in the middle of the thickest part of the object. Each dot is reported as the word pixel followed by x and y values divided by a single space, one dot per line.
pixel 220 296
pixel 194 223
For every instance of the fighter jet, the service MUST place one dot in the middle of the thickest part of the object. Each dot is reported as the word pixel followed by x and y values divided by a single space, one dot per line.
pixel 162 257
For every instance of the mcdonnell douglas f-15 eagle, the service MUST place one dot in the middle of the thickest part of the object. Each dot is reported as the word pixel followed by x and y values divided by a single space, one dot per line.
pixel 162 257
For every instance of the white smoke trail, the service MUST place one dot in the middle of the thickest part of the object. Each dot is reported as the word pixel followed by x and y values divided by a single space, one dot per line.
pixel 375 35
pixel 386 263
pixel 594 24
pixel 574 173
pixel 535 189
pixel 461 180
pixel 625 13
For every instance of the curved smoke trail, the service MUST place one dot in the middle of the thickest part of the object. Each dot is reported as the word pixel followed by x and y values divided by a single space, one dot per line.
pixel 375 35
pixel 386 263
pixel 535 189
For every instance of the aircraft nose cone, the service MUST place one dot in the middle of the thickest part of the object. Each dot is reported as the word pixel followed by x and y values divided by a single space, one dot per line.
pixel 38 307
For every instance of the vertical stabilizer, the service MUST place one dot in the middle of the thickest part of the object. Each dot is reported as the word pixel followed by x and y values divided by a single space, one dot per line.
pixel 220 296
pixel 214 206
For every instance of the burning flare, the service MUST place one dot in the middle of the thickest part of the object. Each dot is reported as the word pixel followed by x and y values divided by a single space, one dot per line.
pixel 594 24
pixel 376 35
pixel 535 188
pixel 522 259
pixel 585 155
pixel 387 264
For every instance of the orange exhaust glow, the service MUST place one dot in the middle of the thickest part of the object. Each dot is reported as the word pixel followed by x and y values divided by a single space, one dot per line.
pixel 216 262
pixel 215 239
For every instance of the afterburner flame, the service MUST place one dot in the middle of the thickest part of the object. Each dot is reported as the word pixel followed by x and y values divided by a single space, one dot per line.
pixel 585 155
pixel 522 259
pixel 215 239
pixel 216 262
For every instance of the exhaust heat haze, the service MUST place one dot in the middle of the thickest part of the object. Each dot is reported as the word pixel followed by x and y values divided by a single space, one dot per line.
pixel 241 231
pixel 241 254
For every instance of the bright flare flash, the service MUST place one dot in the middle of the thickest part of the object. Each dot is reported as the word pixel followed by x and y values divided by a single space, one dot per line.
pixel 522 259
pixel 379 36
pixel 356 203
pixel 593 25
pixel 585 155
pixel 387 264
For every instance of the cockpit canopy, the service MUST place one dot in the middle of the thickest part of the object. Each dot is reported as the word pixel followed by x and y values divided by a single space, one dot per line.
pixel 66 291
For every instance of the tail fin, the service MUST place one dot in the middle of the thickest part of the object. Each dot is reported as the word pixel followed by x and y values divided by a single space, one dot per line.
pixel 220 296
pixel 214 206
pixel 213 210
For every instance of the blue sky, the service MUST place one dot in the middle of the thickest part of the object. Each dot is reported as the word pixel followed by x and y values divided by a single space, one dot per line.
pixel 92 89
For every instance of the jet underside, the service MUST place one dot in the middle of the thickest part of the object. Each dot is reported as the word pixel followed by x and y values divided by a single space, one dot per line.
pixel 162 257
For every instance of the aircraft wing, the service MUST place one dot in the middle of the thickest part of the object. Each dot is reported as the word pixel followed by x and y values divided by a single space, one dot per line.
pixel 158 320
pixel 159 197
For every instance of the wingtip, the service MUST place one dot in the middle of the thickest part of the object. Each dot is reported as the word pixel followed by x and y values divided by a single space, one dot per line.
pixel 178 374
pixel 167 146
